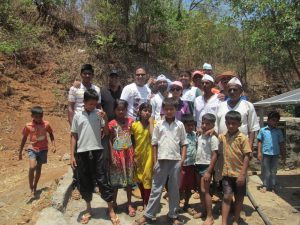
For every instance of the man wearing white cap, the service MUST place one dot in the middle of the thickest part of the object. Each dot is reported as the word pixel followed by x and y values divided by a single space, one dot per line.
pixel 207 103
pixel 249 122
pixel 162 83
pixel 207 68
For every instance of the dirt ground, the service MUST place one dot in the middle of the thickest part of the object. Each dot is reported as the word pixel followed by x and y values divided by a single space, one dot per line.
pixel 20 90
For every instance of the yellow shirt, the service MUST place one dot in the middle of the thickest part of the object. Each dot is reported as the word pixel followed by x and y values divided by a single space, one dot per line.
pixel 234 150
pixel 143 157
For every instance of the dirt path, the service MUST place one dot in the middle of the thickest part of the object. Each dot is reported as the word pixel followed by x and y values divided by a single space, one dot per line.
pixel 26 90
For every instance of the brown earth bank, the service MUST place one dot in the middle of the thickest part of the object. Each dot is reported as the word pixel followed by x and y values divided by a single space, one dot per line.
pixel 22 88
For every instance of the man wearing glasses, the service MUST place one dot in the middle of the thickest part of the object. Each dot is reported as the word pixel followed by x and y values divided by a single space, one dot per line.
pixel 136 93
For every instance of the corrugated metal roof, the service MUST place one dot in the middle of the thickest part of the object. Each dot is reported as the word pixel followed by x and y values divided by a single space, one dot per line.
pixel 288 98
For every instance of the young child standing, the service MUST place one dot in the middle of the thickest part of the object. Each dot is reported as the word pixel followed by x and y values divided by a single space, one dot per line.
pixel 236 153
pixel 143 156
pixel 37 131
pixel 168 135
pixel 188 175
pixel 205 161
pixel 122 152
pixel 89 156
pixel 270 145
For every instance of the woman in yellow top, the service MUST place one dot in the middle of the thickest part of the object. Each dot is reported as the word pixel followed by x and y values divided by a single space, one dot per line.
pixel 143 157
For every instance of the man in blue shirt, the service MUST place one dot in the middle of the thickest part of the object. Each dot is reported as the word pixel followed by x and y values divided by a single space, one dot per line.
pixel 270 145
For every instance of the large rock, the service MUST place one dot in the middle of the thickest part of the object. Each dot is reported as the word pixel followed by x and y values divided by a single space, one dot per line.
pixel 62 194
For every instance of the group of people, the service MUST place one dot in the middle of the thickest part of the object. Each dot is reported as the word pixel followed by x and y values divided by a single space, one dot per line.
pixel 173 135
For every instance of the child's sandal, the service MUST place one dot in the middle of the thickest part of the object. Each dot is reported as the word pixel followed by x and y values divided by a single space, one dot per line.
pixel 85 218
pixel 176 221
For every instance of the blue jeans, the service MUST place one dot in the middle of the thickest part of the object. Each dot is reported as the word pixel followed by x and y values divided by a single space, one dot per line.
pixel 270 163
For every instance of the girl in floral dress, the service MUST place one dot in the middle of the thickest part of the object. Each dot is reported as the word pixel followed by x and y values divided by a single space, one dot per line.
pixel 122 152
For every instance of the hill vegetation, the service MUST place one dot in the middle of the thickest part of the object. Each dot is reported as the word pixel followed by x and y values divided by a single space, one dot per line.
pixel 257 39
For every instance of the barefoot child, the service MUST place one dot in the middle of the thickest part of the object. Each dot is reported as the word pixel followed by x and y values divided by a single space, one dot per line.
pixel 122 152
pixel 143 156
pixel 168 135
pixel 205 161
pixel 188 175
pixel 236 153
pixel 89 160
pixel 37 131
pixel 270 145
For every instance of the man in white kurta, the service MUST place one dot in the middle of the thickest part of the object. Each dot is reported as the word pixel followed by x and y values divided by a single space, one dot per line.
pixel 156 102
pixel 206 103
pixel 249 122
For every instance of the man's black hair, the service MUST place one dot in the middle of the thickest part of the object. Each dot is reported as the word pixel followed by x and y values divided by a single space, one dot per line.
pixel 90 94
pixel 37 110
pixel 87 67
pixel 186 118
pixel 170 102
pixel 186 71
pixel 140 67
pixel 209 117
pixel 233 115
pixel 274 114
pixel 120 102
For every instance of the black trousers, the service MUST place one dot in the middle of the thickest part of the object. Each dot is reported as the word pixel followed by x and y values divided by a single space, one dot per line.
pixel 92 165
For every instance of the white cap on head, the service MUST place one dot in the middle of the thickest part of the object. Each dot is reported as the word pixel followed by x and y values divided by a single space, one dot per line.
pixel 235 80
pixel 161 77
pixel 207 66
pixel 208 77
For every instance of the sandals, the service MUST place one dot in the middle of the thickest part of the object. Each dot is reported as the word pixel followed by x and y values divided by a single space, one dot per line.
pixel 263 189
pixel 75 194
pixel 191 211
pixel 199 215
pixel 142 221
pixel 131 211
pixel 176 221
pixel 115 221
pixel 85 218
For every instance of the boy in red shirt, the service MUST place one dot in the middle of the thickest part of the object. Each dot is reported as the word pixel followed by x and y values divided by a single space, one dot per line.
pixel 37 131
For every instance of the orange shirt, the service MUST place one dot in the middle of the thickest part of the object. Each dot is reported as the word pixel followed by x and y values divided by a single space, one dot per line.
pixel 234 150
pixel 37 134
pixel 215 91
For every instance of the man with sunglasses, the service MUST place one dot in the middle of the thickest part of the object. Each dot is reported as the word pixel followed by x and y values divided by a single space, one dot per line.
pixel 136 93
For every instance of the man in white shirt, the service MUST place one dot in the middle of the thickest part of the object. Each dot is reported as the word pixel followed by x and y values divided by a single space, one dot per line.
pixel 162 83
pixel 250 123
pixel 208 102
pixel 75 105
pixel 136 93
pixel 75 98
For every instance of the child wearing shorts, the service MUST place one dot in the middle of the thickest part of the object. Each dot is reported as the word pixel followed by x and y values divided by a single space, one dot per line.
pixel 187 174
pixel 206 157
pixel 37 131
pixel 236 154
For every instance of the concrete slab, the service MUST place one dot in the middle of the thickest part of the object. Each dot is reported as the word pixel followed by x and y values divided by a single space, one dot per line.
pixel 75 210
pixel 278 210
